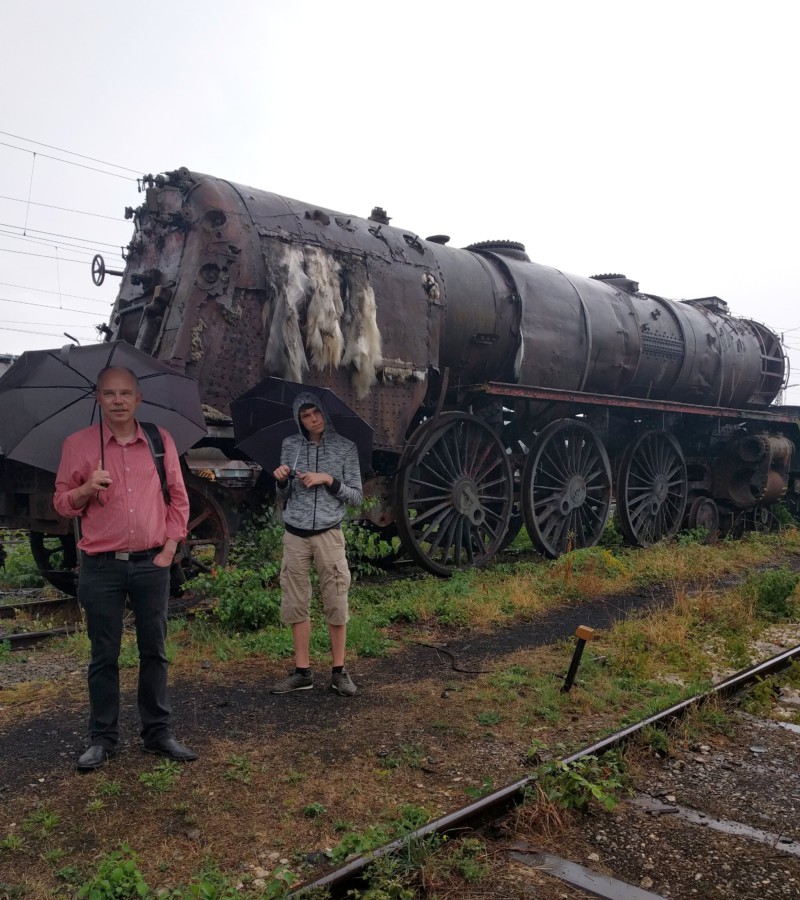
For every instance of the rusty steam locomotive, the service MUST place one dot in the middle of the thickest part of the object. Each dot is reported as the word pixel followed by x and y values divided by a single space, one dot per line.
pixel 501 392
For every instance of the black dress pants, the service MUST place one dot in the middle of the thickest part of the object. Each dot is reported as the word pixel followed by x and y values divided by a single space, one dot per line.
pixel 104 585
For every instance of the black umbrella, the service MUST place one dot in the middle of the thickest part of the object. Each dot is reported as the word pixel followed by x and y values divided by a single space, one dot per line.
pixel 263 417
pixel 48 394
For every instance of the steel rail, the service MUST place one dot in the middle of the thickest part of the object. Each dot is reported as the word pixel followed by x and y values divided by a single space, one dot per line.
pixel 499 802
pixel 9 610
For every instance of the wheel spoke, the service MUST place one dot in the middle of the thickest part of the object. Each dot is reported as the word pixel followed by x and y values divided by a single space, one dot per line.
pixel 566 489
pixel 653 488
pixel 454 493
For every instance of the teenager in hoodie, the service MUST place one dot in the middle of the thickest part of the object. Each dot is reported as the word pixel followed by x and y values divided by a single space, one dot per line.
pixel 317 478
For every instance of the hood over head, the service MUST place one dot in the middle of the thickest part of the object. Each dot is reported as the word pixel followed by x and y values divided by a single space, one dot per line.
pixel 304 399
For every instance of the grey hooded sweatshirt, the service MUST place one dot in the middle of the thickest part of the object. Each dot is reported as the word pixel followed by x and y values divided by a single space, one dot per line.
pixel 311 510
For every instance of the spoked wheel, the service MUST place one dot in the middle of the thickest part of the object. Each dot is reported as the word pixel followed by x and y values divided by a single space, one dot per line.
pixel 56 557
pixel 704 513
pixel 652 487
pixel 453 494
pixel 566 488
pixel 205 546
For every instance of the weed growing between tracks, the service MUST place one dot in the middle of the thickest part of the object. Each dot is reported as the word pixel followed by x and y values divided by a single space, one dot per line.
pixel 293 784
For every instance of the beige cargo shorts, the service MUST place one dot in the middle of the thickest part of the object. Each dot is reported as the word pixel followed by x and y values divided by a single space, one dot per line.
pixel 326 550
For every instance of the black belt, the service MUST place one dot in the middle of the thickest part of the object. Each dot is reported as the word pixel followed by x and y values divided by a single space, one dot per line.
pixel 125 555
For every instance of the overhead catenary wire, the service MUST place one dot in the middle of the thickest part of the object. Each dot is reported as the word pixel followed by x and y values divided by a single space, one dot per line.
pixel 80 312
pixel 67 162
pixel 18 137
pixel 68 245
pixel 80 212
pixel 25 287
pixel 73 237
pixel 43 333
pixel 44 256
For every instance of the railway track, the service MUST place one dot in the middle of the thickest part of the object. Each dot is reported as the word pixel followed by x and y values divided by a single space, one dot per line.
pixel 665 819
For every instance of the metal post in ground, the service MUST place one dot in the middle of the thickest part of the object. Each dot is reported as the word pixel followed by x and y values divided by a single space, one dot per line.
pixel 584 634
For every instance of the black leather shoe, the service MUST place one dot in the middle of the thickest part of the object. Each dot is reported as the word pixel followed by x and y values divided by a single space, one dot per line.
pixel 172 749
pixel 93 758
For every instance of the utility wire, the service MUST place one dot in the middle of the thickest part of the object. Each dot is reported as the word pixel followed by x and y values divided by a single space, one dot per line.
pixel 43 256
pixel 48 324
pixel 70 152
pixel 48 243
pixel 27 331
pixel 67 162
pixel 80 212
pixel 80 312
pixel 73 237
pixel 24 287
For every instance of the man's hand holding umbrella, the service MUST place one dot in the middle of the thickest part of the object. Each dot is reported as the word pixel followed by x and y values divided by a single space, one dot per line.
pixel 99 480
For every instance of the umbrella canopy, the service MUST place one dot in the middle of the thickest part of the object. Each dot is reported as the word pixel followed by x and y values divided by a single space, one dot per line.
pixel 48 394
pixel 263 417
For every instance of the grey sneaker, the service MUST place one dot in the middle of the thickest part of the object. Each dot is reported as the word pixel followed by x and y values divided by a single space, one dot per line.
pixel 342 683
pixel 294 682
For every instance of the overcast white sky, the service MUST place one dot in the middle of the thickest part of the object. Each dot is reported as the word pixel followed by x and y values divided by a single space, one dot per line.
pixel 658 140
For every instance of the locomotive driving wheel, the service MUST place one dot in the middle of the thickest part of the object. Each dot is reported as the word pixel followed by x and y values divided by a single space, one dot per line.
pixel 56 558
pixel 566 488
pixel 652 488
pixel 206 543
pixel 454 493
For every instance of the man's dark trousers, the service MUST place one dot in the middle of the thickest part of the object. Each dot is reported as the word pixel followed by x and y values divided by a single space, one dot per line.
pixel 104 585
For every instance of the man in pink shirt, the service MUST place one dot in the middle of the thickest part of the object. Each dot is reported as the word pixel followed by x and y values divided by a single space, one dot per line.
pixel 108 478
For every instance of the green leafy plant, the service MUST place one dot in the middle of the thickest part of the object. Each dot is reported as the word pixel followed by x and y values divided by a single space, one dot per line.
pixel 409 818
pixel 109 789
pixel 259 540
pixel 577 785
pixel 19 570
pixel 487 786
pixel 5 651
pixel 467 857
pixel 246 599
pixel 44 818
pixel 366 549
pixel 698 535
pixel 162 778
pixel 489 718
pixel 117 875
pixel 239 769
pixel 773 591
pixel 11 842
pixel 313 810
pixel 656 739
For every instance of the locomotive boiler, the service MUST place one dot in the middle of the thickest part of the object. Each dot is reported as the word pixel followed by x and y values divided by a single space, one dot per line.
pixel 501 392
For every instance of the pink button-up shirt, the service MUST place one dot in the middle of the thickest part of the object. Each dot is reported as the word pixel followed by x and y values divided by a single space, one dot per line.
pixel 131 514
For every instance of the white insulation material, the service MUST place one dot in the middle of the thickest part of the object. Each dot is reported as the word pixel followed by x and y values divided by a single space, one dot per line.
pixel 321 314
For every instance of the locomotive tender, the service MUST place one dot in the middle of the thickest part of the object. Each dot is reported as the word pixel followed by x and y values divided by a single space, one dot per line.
pixel 500 391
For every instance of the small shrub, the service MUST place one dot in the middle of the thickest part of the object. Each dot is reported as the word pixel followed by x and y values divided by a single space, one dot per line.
pixel 468 858
pixel 259 541
pixel 773 592
pixel 19 571
pixel 118 875
pixel 366 549
pixel 587 780
pixel 246 599
pixel 692 536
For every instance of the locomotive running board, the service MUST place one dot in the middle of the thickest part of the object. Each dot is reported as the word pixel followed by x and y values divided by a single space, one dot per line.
pixel 527 392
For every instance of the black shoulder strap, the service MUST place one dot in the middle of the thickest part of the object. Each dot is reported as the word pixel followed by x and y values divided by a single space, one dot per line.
pixel 156 443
